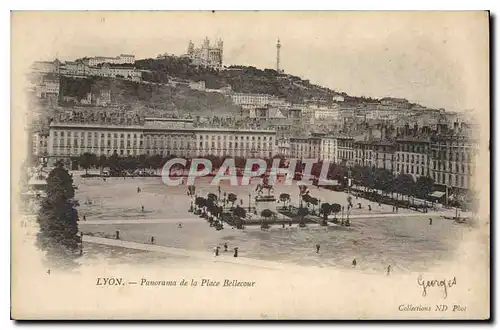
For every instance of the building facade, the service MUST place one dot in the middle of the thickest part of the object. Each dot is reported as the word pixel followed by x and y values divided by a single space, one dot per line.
pixel 329 113
pixel 158 136
pixel 257 100
pixel 39 144
pixel 328 149
pixel 47 88
pixel 413 157
pixel 345 150
pixel 305 147
pixel 120 59
pixel 453 161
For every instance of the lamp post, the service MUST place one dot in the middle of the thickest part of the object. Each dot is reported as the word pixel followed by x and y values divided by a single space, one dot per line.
pixel 249 200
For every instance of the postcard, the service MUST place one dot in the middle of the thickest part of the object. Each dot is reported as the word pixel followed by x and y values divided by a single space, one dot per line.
pixel 184 165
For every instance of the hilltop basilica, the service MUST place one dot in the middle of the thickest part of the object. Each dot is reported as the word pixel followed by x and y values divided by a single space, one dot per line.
pixel 206 55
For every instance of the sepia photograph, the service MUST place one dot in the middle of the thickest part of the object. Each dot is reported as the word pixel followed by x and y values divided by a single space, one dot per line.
pixel 264 165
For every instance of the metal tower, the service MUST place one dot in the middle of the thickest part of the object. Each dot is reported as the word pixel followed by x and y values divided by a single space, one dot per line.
pixel 278 46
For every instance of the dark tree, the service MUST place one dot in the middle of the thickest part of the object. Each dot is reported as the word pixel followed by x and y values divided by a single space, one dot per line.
pixel 239 212
pixel 232 198
pixel 301 213
pixel 405 185
pixel 424 186
pixel 384 180
pixel 103 161
pixel 336 209
pixel 285 198
pixel 266 214
pixel 86 160
pixel 326 209
pixel 58 219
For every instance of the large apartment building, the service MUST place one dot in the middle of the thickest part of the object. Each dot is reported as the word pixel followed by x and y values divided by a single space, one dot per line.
pixel 163 136
pixel 120 59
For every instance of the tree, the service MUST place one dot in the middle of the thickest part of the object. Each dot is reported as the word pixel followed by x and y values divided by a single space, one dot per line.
pixel 424 186
pixel 284 198
pixel 58 218
pixel 232 198
pixel 239 212
pixel 200 202
pixel 326 209
pixel 114 163
pixel 142 161
pixel 384 180
pixel 314 201
pixel 405 185
pixel 368 178
pixel 335 208
pixel 302 212
pixel 86 161
pixel 357 174
pixel 266 214
pixel 103 161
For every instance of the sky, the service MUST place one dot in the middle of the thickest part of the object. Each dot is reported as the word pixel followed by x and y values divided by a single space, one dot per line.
pixel 437 59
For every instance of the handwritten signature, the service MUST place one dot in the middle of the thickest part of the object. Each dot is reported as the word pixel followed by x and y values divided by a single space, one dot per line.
pixel 444 284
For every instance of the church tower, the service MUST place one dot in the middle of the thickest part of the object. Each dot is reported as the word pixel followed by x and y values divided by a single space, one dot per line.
pixel 278 47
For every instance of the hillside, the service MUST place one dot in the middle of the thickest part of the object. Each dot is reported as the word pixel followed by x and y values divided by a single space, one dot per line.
pixel 241 79
pixel 155 96
pixel 157 90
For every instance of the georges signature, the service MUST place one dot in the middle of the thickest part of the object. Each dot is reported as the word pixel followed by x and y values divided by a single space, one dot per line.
pixel 444 284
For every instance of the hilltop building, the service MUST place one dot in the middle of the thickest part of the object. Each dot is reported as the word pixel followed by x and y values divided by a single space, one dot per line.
pixel 207 55
pixel 122 59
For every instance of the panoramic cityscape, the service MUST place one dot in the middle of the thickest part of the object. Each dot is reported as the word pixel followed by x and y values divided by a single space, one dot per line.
pixel 102 129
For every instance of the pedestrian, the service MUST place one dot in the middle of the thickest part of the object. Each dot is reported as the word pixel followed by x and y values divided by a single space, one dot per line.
pixel 430 221
pixel 117 233
pixel 84 218
pixel 388 269
pixel 354 263
pixel 235 252
pixel 225 247
pixel 142 208
pixel 317 248
pixel 217 251
pixel 152 240
pixel 369 207
pixel 283 225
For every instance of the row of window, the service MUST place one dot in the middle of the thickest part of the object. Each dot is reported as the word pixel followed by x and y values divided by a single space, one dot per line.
pixel 236 138
pixel 95 135
pixel 241 145
pixel 453 180
pixel 449 168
